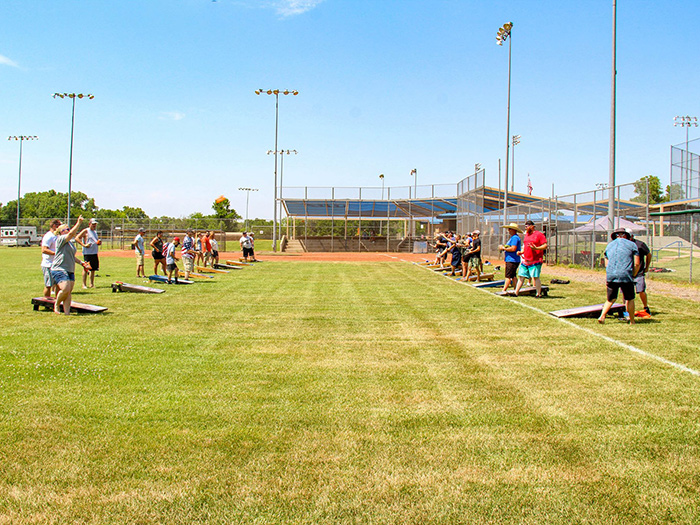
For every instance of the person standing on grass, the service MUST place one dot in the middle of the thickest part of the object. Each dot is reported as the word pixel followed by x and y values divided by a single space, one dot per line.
pixel 474 255
pixel 48 250
pixel 90 241
pixel 246 246
pixel 455 251
pixel 63 265
pixel 531 258
pixel 640 283
pixel 188 252
pixel 139 251
pixel 510 254
pixel 622 265
pixel 171 259
pixel 157 253
pixel 206 248
pixel 214 248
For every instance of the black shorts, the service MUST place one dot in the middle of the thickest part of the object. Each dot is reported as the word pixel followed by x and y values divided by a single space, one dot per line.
pixel 512 270
pixel 172 267
pixel 215 253
pixel 627 291
pixel 94 261
pixel 157 256
pixel 247 252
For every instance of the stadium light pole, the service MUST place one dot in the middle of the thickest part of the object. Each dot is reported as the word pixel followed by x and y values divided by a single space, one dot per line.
pixel 504 33
pixel 516 141
pixel 381 177
pixel 613 96
pixel 686 122
pixel 247 199
pixel 21 139
pixel 276 93
pixel 71 96
pixel 414 173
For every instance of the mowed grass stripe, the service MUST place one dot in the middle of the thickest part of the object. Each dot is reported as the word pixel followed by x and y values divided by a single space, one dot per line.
pixel 314 393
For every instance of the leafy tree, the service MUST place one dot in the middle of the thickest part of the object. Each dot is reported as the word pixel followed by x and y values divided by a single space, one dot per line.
pixel 674 192
pixel 654 184
pixel 222 209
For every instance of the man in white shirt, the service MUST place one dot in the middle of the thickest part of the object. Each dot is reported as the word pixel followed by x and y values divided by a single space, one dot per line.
pixel 48 250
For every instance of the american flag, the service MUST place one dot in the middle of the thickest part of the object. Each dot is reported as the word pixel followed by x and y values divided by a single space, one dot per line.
pixel 529 185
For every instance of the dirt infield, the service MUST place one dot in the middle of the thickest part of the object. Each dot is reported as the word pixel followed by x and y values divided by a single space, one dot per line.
pixel 304 257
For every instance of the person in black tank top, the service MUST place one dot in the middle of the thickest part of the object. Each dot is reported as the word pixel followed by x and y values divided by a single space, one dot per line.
pixel 157 253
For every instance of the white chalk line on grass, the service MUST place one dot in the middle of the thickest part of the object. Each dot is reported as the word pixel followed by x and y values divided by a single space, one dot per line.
pixel 626 346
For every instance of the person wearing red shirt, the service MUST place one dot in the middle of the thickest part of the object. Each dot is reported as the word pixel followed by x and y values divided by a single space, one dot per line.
pixel 531 257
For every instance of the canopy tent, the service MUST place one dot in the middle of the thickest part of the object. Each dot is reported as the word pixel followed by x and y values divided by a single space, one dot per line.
pixel 603 224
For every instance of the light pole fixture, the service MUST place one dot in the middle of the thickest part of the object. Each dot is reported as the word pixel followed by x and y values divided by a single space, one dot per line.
pixel 503 34
pixel 21 139
pixel 276 93
pixel 687 123
pixel 613 123
pixel 247 198
pixel 516 141
pixel 381 177
pixel 71 96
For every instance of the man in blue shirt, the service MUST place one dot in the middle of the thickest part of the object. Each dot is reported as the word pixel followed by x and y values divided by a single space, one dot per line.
pixel 510 254
pixel 622 256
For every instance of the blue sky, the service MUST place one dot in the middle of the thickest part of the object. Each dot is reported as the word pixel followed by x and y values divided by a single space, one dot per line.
pixel 384 87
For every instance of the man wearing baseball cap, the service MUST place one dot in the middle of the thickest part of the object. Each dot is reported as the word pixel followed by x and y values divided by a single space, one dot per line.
pixel 622 265
pixel 531 257
pixel 139 250
pixel 90 241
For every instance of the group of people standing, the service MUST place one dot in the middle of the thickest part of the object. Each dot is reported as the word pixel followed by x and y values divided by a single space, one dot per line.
pixel 523 258
pixel 58 259
pixel 201 249
pixel 627 261
pixel 464 251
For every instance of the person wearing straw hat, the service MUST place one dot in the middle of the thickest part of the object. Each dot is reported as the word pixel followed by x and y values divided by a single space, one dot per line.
pixel 510 254
pixel 622 265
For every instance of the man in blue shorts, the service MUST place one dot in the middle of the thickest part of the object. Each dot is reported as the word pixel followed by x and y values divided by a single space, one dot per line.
pixel 510 254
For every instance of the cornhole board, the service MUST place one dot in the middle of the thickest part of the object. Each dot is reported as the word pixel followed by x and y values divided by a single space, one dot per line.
pixel 223 267
pixel 525 290
pixel 239 263
pixel 589 311
pixel 126 287
pixel 204 269
pixel 482 277
pixel 490 284
pixel 82 308
pixel 195 275
pixel 161 279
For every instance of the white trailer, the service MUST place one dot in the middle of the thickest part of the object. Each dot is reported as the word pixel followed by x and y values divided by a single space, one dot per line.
pixel 27 236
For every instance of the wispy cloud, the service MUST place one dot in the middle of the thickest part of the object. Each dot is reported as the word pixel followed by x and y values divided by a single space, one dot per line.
pixel 171 115
pixel 295 7
pixel 7 62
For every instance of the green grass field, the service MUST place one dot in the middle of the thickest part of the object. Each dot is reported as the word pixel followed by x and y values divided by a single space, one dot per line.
pixel 301 392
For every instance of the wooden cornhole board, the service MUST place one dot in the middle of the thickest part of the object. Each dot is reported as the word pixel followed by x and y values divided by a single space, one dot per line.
pixel 205 269
pixel 161 279
pixel 525 290
pixel 482 277
pixel 223 267
pixel 239 263
pixel 490 284
pixel 195 275
pixel 589 311
pixel 126 287
pixel 49 302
